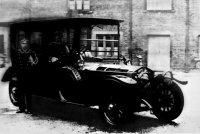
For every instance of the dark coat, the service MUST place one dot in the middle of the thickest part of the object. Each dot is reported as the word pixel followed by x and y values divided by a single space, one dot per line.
pixel 23 60
pixel 23 65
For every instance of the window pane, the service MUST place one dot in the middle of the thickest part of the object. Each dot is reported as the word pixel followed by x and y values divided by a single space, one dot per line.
pixel 86 5
pixel 64 36
pixel 36 38
pixel 21 35
pixel 71 38
pixel 108 43
pixel 159 4
pixel 1 44
pixel 100 43
pixel 72 4
pixel 79 4
pixel 116 42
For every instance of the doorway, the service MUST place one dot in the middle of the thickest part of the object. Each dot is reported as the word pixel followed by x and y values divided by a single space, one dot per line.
pixel 159 52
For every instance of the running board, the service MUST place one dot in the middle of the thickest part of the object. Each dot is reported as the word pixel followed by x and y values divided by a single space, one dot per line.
pixel 67 110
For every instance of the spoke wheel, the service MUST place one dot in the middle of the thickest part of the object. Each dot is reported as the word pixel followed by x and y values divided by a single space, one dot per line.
pixel 166 100
pixel 169 101
pixel 113 112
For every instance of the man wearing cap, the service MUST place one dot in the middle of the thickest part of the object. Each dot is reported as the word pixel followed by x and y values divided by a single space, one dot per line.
pixel 25 59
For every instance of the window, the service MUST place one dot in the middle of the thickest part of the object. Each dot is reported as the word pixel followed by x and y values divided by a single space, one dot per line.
pixel 86 5
pixel 158 5
pixel 36 38
pixel 107 45
pixel 100 43
pixel 1 44
pixel 79 4
pixel 21 35
pixel 72 4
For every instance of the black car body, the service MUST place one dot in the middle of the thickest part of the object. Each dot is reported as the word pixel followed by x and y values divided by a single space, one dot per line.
pixel 118 90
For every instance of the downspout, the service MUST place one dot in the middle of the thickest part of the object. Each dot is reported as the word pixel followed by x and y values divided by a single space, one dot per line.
pixel 187 34
pixel 118 33
pixel 29 8
pixel 130 49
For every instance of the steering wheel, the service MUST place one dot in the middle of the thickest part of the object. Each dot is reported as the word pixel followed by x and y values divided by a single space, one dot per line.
pixel 142 71
pixel 78 59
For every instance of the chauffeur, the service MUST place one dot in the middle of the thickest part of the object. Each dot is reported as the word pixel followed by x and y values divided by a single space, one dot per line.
pixel 26 59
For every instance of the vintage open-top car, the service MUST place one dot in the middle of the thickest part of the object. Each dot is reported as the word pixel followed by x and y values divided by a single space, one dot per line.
pixel 80 75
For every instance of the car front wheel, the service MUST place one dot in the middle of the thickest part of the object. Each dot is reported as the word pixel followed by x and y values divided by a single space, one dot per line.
pixel 169 102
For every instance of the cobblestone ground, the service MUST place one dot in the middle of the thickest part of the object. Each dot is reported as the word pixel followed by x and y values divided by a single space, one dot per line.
pixel 144 122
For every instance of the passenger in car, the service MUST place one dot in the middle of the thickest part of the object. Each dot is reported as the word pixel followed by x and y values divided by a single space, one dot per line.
pixel 58 51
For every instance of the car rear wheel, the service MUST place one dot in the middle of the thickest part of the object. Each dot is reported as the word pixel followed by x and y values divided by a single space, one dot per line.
pixel 13 88
pixel 113 112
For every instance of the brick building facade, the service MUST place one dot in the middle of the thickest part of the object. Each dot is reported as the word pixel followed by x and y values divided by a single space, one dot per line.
pixel 166 33
pixel 150 24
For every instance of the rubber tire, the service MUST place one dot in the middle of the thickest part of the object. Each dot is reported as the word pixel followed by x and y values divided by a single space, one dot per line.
pixel 108 120
pixel 105 113
pixel 176 110
pixel 13 96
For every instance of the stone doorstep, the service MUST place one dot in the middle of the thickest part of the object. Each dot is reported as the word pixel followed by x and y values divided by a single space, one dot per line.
pixel 67 111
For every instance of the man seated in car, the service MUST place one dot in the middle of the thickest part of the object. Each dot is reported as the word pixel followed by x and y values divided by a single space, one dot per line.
pixel 58 51
pixel 87 55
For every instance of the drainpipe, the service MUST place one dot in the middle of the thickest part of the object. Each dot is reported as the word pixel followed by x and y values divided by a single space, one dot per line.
pixel 28 8
pixel 187 36
pixel 130 31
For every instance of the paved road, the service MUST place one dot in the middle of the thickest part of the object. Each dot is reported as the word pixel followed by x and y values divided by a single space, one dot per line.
pixel 87 121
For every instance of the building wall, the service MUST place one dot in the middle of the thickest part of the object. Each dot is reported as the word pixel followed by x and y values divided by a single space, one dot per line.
pixel 45 8
pixel 116 10
pixel 194 32
pixel 145 23
pixel 148 23
pixel 162 23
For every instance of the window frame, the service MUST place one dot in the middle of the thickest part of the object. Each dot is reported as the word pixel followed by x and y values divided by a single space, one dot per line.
pixel 75 7
pixel 104 33
pixel 157 10
pixel 70 3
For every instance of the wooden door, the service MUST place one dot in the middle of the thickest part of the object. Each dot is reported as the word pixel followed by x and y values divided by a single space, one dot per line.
pixel 159 52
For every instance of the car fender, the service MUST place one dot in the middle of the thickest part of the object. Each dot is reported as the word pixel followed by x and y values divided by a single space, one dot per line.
pixel 74 72
pixel 169 77
pixel 119 87
pixel 8 74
